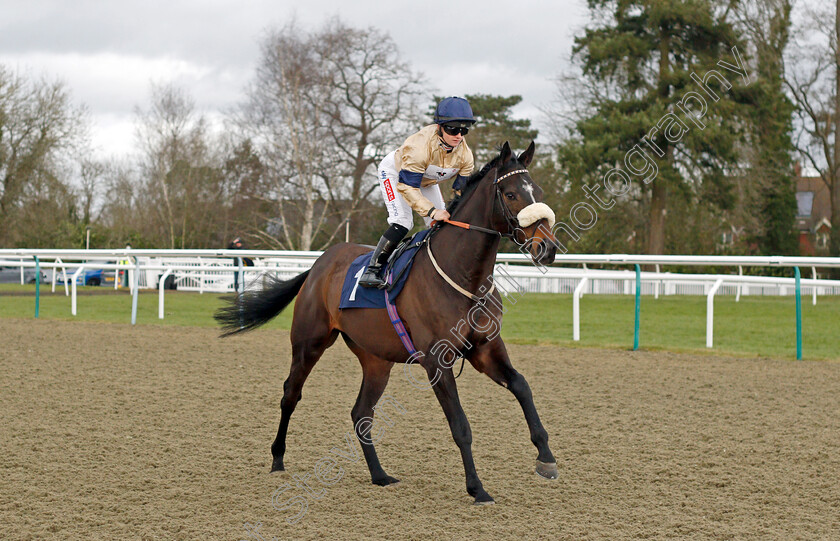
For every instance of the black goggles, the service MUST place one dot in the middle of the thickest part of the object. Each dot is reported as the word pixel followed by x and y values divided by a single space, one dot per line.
pixel 455 130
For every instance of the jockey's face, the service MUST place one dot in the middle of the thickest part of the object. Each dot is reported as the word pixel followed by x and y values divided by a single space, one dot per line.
pixel 451 140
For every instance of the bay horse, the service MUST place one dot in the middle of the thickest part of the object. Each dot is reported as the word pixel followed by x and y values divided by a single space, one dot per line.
pixel 500 200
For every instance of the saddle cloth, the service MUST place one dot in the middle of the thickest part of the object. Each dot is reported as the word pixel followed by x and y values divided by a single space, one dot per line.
pixel 355 296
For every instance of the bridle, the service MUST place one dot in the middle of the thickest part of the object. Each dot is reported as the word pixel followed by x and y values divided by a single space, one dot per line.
pixel 510 218
pixel 513 228
pixel 512 221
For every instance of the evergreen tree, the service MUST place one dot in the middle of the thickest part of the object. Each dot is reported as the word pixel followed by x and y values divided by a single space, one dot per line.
pixel 663 82
pixel 496 124
pixel 768 24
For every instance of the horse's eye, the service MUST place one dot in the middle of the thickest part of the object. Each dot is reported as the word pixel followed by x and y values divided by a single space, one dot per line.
pixel 510 195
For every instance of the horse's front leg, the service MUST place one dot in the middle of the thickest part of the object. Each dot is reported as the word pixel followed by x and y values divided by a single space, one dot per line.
pixel 443 382
pixel 492 359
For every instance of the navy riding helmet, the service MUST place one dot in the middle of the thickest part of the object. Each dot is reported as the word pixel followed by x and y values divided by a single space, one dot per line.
pixel 454 111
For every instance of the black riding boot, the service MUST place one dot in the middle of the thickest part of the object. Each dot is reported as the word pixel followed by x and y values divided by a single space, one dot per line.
pixel 384 248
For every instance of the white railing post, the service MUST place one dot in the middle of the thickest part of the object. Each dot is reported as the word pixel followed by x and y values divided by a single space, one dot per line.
pixel 64 279
pixel 657 284
pixel 57 260
pixel 134 284
pixel 738 287
pixel 241 276
pixel 576 309
pixel 163 278
pixel 710 312
pixel 73 288
pixel 814 289
pixel 200 277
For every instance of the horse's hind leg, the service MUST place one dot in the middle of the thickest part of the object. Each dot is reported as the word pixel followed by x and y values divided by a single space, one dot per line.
pixel 305 353
pixel 376 373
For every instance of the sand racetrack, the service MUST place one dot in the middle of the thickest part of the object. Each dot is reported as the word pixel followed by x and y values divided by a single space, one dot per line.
pixel 113 432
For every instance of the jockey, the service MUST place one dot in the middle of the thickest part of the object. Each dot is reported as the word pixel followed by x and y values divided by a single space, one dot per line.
pixel 410 175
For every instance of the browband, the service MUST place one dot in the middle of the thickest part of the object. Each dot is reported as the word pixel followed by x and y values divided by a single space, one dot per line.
pixel 506 175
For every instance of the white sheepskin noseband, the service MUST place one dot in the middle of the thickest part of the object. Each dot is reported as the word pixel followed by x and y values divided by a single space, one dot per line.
pixel 535 212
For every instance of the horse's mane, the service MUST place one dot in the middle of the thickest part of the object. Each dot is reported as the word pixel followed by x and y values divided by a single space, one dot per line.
pixel 472 182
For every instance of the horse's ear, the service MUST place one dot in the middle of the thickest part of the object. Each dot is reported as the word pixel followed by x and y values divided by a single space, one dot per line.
pixel 526 157
pixel 504 157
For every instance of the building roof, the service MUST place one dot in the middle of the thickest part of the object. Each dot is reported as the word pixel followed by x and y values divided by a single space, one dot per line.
pixel 814 203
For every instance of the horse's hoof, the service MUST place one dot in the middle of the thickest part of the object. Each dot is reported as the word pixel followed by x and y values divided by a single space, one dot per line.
pixel 485 499
pixel 385 481
pixel 547 470
pixel 277 465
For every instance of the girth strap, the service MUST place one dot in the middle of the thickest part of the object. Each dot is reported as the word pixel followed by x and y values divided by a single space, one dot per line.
pixel 405 338
pixel 451 282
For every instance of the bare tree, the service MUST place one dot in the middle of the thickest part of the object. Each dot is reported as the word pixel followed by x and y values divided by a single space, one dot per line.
pixel 91 173
pixel 323 108
pixel 813 79
pixel 373 101
pixel 288 131
pixel 39 126
pixel 182 175
pixel 120 217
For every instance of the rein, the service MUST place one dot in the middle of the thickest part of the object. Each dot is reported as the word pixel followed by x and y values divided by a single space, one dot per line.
pixel 509 217
pixel 512 225
pixel 451 282
pixel 511 220
pixel 464 225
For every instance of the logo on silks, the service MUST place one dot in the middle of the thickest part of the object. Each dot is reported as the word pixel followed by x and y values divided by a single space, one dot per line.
pixel 440 173
pixel 388 190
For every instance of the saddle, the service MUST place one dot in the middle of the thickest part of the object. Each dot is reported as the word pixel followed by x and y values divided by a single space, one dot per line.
pixel 392 272
pixel 396 272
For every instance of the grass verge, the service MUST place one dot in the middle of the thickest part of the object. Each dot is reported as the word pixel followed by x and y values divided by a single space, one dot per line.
pixel 755 326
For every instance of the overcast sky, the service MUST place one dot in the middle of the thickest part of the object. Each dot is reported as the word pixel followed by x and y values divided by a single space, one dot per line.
pixel 108 52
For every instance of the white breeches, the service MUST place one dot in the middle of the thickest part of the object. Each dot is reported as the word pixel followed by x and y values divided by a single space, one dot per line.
pixel 399 211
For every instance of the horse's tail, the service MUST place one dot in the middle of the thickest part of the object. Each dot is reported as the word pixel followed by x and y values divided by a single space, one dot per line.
pixel 254 308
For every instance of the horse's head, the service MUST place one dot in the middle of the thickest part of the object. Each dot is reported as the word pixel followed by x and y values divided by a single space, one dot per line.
pixel 513 203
